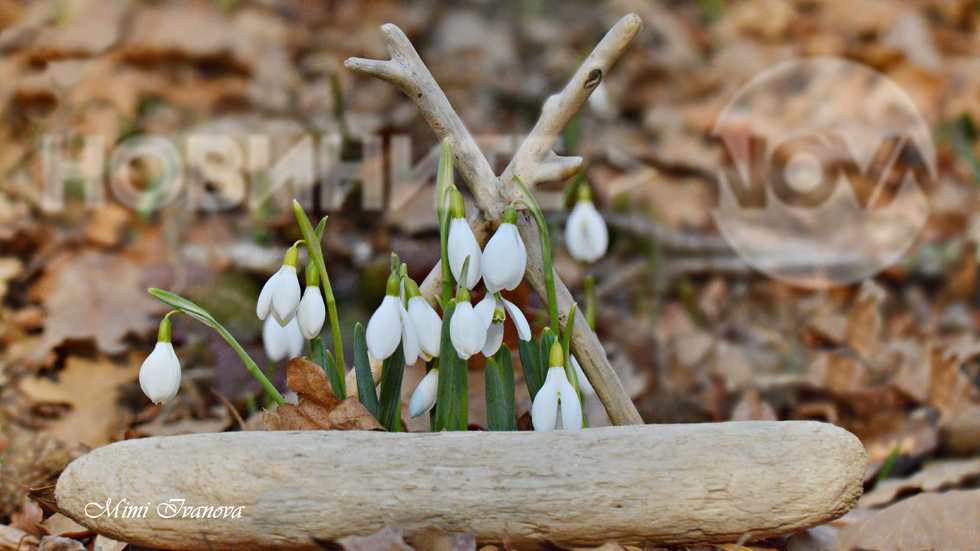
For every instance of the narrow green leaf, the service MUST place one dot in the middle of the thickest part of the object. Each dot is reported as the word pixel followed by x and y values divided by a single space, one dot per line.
pixel 323 358
pixel 506 365
pixel 461 410
pixel 320 227
pixel 496 408
pixel 362 368
pixel 444 398
pixel 566 344
pixel 547 340
pixel 390 403
pixel 531 364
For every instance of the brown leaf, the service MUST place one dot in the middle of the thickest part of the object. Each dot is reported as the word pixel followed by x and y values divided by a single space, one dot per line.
pixel 103 543
pixel 949 388
pixel 864 322
pixel 388 539
pixel 60 525
pixel 436 540
pixel 927 521
pixel 12 539
pixel 934 476
pixel 318 407
pixel 57 543
pixel 961 432
pixel 96 296
pixel 752 408
pixel 86 395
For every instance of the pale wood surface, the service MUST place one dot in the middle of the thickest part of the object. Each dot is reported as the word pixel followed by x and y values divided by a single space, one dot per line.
pixel 640 485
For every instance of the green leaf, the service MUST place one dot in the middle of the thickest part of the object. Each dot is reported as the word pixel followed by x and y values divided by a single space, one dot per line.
pixel 442 412
pixel 500 392
pixel 461 409
pixel 320 227
pixel 390 403
pixel 566 344
pixel 506 364
pixel 362 368
pixel 531 364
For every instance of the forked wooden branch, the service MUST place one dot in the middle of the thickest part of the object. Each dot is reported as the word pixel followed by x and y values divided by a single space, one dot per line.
pixel 639 485
pixel 534 162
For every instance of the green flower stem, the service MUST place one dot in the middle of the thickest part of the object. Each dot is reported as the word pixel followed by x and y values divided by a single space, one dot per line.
pixel 316 252
pixel 590 302
pixel 549 272
pixel 444 184
pixel 201 315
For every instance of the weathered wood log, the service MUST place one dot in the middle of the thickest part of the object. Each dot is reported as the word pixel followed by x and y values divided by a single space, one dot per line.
pixel 639 485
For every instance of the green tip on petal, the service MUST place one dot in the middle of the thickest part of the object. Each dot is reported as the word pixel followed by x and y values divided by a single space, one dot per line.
pixel 312 275
pixel 394 285
pixel 457 209
pixel 462 295
pixel 556 358
pixel 584 192
pixel 163 335
pixel 292 257
pixel 411 288
pixel 510 216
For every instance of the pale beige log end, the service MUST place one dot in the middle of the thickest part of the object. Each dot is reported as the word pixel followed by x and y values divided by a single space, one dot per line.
pixel 639 485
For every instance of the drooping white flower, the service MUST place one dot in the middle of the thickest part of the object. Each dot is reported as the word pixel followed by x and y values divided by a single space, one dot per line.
pixel 280 294
pixel 467 331
pixel 425 394
pixel 556 405
pixel 586 233
pixel 312 312
pixel 505 256
pixel 427 323
pixel 160 372
pixel 493 310
pixel 390 325
pixel 584 386
pixel 462 247
pixel 282 343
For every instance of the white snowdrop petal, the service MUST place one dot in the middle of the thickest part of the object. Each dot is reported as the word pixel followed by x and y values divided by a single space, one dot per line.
pixel 544 408
pixel 264 304
pixel 520 322
pixel 312 312
pixel 571 408
pixel 285 294
pixel 504 260
pixel 410 339
pixel 583 382
pixel 294 339
pixel 275 347
pixel 428 325
pixel 425 394
pixel 384 330
pixel 586 234
pixel 467 331
pixel 485 308
pixel 462 245
pixel 160 373
pixel 495 337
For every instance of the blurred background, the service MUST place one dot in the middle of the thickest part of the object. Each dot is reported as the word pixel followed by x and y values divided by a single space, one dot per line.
pixel 695 333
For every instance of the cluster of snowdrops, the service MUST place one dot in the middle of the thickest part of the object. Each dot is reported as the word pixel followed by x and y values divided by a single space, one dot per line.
pixel 406 327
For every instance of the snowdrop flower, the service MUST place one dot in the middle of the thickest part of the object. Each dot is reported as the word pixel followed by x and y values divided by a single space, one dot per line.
pixel 424 396
pixel 583 382
pixel 493 310
pixel 585 232
pixel 505 257
pixel 467 330
pixel 428 325
pixel 280 294
pixel 312 310
pixel 390 325
pixel 462 244
pixel 556 405
pixel 282 342
pixel 160 372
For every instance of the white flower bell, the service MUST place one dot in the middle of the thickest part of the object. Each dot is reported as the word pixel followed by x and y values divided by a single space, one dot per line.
pixel 280 294
pixel 282 343
pixel 467 330
pixel 428 325
pixel 505 256
pixel 160 372
pixel 585 232
pixel 556 405
pixel 390 325
pixel 583 382
pixel 462 244
pixel 312 311
pixel 493 310
pixel 425 394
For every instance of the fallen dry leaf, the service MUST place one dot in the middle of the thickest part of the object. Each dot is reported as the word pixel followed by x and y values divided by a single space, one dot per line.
pixel 12 539
pixel 96 296
pixel 60 525
pixel 58 543
pixel 388 539
pixel 934 476
pixel 85 395
pixel 318 407
pixel 948 521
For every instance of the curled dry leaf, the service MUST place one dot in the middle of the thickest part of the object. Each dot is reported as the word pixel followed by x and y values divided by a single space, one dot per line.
pixel 934 476
pixel 927 521
pixel 318 407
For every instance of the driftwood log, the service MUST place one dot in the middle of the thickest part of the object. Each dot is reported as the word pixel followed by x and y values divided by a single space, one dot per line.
pixel 639 485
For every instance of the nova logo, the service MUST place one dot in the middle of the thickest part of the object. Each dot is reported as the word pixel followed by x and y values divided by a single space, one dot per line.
pixel 827 172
